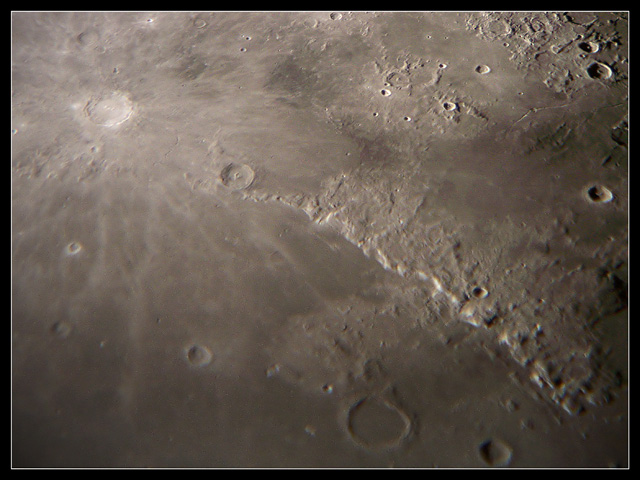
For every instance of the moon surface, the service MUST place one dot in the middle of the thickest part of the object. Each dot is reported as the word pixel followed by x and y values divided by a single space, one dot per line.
pixel 319 239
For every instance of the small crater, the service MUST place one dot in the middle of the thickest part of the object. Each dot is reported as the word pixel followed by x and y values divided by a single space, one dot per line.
pixel 374 423
pixel 582 18
pixel 620 133
pixel 73 248
pixel 599 71
pixel 199 23
pixel 449 106
pixel 88 38
pixel 495 453
pixel 237 176
pixel 589 47
pixel 61 329
pixel 335 16
pixel 395 79
pixel 599 194
pixel 198 355
pixel 483 69
pixel 204 185
pixel 109 111
pixel 407 119
pixel 479 292
pixel 385 92
pixel 442 65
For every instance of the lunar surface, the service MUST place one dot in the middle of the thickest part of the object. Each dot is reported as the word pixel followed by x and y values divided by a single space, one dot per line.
pixel 319 239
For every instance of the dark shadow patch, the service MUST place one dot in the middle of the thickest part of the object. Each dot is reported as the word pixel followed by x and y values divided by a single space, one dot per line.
pixel 291 77
pixel 192 67
pixel 613 293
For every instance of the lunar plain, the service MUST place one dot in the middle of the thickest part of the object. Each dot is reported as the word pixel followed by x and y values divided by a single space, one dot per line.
pixel 319 239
